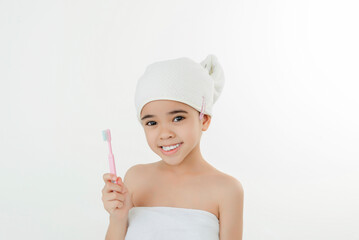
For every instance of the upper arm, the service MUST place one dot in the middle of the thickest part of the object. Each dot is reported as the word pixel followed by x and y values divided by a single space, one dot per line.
pixel 129 175
pixel 130 179
pixel 231 211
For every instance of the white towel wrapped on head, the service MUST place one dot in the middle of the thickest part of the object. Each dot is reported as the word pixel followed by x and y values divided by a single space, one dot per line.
pixel 182 80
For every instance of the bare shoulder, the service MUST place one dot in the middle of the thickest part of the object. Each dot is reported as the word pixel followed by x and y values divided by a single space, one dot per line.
pixel 229 188
pixel 137 175
pixel 230 203
pixel 132 177
pixel 226 182
pixel 133 172
pixel 230 183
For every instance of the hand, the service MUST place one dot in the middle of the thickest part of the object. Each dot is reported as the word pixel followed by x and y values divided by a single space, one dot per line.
pixel 115 197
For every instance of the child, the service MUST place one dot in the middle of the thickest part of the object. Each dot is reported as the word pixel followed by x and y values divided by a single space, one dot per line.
pixel 181 196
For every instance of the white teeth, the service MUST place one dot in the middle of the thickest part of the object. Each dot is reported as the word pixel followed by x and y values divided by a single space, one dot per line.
pixel 170 147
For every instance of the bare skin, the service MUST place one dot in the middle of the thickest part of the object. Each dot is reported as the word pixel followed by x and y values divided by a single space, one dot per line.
pixel 158 187
pixel 184 179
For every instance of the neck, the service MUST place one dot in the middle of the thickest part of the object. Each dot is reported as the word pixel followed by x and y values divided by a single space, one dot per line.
pixel 192 164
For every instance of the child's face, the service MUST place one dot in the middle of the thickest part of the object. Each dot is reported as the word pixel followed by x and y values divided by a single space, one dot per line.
pixel 163 128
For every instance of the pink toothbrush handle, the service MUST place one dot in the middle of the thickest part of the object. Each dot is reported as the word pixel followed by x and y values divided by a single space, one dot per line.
pixel 111 160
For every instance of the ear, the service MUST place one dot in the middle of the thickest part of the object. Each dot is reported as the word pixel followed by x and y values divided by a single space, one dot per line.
pixel 206 120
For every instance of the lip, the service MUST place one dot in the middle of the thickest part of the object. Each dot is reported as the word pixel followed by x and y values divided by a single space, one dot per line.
pixel 170 145
pixel 173 151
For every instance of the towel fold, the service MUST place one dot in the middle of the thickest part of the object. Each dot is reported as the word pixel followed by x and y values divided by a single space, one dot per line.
pixel 171 223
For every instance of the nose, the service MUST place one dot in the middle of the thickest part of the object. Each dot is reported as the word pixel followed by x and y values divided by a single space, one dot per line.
pixel 166 132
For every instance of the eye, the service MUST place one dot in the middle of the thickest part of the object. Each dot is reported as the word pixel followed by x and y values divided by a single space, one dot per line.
pixel 179 117
pixel 149 122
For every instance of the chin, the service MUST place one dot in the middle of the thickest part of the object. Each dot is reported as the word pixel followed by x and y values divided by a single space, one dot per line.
pixel 172 162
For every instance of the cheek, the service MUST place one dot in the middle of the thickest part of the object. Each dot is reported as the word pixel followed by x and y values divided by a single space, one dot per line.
pixel 190 134
pixel 150 138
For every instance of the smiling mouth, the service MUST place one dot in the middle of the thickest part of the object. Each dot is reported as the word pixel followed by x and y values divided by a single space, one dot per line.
pixel 170 145
pixel 171 150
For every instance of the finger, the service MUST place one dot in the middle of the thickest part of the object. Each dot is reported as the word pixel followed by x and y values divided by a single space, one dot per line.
pixel 119 180
pixel 113 204
pixel 108 177
pixel 116 187
pixel 110 187
pixel 120 205
pixel 113 196
pixel 119 196
pixel 124 188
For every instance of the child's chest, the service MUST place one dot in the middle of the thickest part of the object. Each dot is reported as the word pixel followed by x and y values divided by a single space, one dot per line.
pixel 193 193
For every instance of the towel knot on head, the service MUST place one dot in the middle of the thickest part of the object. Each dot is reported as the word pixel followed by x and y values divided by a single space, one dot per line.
pixel 198 85
pixel 216 72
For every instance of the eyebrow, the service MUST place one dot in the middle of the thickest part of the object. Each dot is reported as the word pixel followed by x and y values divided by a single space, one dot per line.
pixel 169 113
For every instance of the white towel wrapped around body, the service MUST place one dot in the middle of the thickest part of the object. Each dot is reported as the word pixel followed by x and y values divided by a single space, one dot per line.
pixel 171 223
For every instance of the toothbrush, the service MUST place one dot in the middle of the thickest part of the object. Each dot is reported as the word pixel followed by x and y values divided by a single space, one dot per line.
pixel 107 137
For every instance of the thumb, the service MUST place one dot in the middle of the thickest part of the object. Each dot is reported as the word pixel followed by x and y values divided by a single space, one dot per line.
pixel 119 181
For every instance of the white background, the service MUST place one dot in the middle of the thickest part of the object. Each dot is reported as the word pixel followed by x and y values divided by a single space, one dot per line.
pixel 286 124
